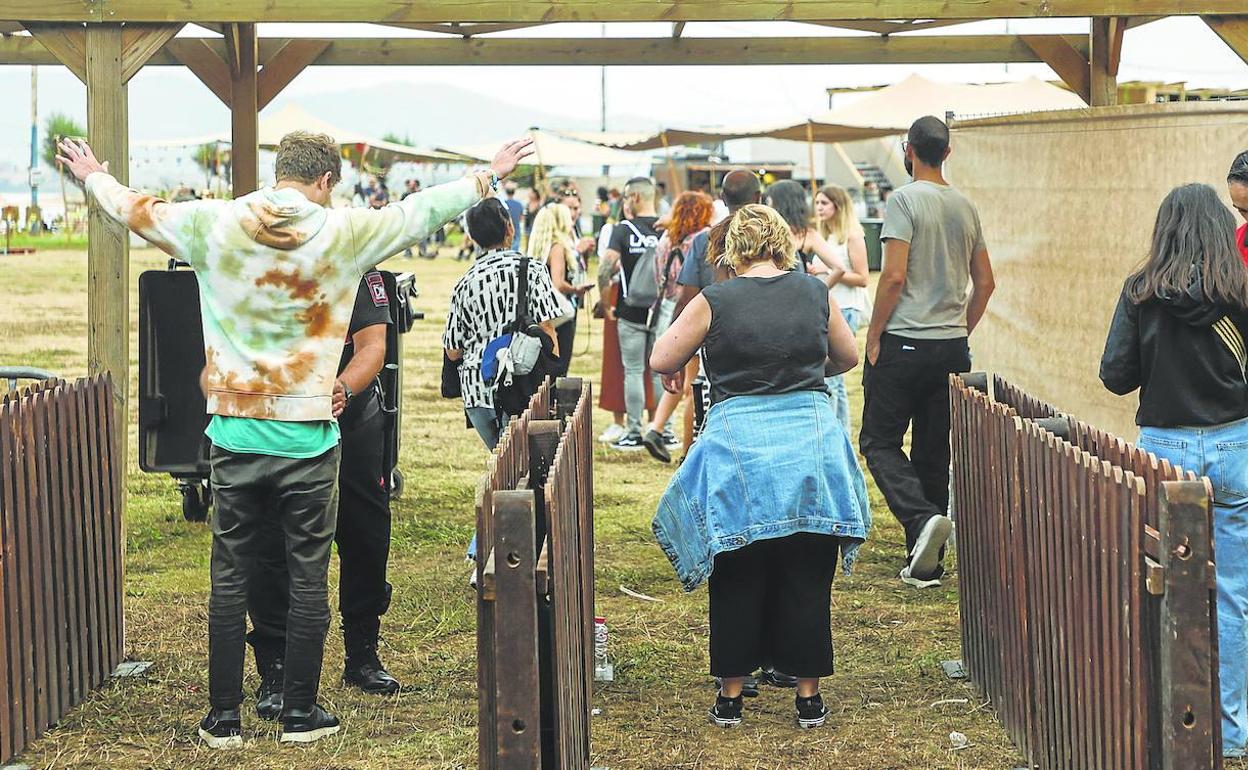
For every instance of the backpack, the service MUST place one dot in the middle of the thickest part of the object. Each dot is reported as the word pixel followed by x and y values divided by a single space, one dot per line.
pixel 641 286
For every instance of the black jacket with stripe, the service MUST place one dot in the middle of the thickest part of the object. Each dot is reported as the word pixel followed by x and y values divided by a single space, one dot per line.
pixel 1186 355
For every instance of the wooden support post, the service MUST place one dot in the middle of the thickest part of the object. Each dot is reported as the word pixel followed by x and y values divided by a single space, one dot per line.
pixel 1234 32
pixel 1188 679
pixel 244 108
pixel 108 243
pixel 810 157
pixel 206 64
pixel 1105 53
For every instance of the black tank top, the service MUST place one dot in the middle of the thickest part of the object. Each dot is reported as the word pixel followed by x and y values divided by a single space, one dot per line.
pixel 768 336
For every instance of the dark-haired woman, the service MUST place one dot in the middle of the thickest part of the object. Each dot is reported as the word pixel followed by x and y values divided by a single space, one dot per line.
pixel 1237 181
pixel 1178 336
pixel 483 308
pixel 814 254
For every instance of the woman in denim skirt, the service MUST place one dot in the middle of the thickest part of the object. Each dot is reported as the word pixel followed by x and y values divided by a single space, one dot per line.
pixel 771 494
pixel 1178 336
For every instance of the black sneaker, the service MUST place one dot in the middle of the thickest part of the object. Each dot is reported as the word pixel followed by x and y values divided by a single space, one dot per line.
pixel 811 712
pixel 222 729
pixel 630 443
pixel 304 726
pixel 269 693
pixel 653 441
pixel 727 711
pixel 774 678
pixel 370 676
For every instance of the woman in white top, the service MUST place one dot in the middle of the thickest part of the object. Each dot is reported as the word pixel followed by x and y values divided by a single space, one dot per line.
pixel 839 226
pixel 553 242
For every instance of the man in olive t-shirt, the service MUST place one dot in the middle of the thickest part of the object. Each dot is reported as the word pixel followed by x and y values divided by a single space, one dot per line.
pixel 933 291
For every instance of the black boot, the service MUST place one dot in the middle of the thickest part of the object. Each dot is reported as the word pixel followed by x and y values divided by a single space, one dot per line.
pixel 272 684
pixel 363 668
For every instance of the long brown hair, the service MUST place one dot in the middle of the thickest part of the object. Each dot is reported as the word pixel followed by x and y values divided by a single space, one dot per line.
pixel 1193 248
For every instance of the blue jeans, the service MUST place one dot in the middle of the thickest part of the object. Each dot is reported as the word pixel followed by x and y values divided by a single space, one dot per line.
pixel 836 385
pixel 489 427
pixel 1221 453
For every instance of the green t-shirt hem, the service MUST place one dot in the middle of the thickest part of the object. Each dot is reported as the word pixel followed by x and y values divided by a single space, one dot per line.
pixel 275 438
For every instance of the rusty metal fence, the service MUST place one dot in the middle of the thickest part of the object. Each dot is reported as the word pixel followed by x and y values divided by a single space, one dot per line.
pixel 535 597
pixel 1087 588
pixel 61 624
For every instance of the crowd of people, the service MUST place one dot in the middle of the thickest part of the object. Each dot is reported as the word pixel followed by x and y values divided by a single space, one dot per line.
pixel 750 305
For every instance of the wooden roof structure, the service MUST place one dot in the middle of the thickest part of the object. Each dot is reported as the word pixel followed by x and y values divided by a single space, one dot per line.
pixel 106 42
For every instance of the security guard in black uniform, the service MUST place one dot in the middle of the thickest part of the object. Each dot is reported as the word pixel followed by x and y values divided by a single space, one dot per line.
pixel 363 533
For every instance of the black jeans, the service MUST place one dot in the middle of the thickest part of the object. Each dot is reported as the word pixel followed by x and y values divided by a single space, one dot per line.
pixel 566 335
pixel 249 491
pixel 909 386
pixel 363 537
pixel 770 603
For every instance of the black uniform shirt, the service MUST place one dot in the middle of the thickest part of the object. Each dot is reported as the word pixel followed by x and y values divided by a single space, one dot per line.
pixel 372 307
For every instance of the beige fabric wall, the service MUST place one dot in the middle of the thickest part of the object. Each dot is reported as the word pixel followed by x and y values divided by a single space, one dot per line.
pixel 1068 202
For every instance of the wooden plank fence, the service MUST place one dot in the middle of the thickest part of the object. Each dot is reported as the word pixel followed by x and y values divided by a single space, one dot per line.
pixel 1087 588
pixel 536 593
pixel 61 621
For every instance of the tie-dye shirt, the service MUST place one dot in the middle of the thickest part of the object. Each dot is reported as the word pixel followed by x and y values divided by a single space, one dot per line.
pixel 277 280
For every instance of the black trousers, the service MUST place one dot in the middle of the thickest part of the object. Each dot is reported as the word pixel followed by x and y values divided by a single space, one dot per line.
pixel 254 493
pixel 363 537
pixel 909 387
pixel 771 603
pixel 566 335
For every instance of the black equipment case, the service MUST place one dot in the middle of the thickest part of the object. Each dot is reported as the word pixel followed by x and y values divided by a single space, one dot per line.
pixel 172 409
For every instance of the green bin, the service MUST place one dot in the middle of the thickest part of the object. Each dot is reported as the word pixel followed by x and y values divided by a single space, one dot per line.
pixel 875 250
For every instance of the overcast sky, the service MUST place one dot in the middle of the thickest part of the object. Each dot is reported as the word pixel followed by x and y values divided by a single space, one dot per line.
pixel 1171 50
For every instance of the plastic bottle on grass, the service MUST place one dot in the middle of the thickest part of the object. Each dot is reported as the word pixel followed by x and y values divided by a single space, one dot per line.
pixel 604 671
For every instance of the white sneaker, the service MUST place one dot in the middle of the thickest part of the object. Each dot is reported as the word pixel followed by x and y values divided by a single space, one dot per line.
pixel 925 559
pixel 913 581
pixel 612 434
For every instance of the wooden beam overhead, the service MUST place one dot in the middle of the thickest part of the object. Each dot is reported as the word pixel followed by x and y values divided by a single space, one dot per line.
pixel 891 27
pixel 551 11
pixel 1104 55
pixel 1064 58
pixel 66 42
pixel 140 42
pixel 678 29
pixel 293 58
pixel 975 49
pixel 463 30
pixel 207 64
pixel 1234 32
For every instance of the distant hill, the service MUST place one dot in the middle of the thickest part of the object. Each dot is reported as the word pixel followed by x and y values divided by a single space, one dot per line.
pixel 167 105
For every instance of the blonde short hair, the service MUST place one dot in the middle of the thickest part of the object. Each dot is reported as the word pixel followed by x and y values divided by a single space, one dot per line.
pixel 759 234
pixel 305 157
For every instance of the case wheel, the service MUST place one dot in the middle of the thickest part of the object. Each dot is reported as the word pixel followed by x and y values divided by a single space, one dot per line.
pixel 396 484
pixel 196 500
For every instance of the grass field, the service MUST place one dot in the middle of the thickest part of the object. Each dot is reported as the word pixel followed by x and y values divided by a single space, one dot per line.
pixel 892 709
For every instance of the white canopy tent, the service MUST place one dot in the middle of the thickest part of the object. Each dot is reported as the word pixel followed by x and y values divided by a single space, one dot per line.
pixel 888 111
pixel 294 118
pixel 554 149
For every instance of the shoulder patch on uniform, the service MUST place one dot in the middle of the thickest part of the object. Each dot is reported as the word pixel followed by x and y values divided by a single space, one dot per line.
pixel 377 289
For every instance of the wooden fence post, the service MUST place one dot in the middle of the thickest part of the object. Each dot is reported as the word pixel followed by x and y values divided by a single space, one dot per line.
pixel 1188 683
pixel 517 693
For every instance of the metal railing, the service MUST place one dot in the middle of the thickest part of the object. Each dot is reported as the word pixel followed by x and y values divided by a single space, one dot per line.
pixel 536 589
pixel 1087 588
pixel 61 619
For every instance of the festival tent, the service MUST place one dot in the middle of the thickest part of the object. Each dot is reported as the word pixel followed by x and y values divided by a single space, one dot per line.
pixel 294 118
pixel 885 112
pixel 553 149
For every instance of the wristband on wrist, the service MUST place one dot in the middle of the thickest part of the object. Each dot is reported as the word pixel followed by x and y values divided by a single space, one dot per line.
pixel 346 389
